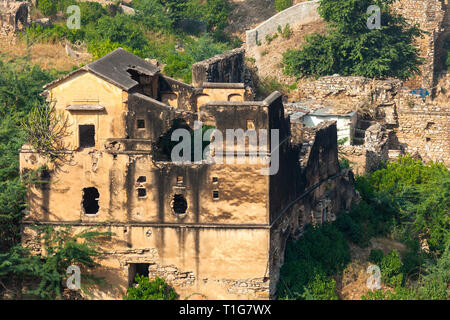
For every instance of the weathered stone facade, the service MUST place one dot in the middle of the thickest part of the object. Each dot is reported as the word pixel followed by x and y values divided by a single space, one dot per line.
pixel 414 124
pixel 429 15
pixel 13 12
pixel 423 127
pixel 214 230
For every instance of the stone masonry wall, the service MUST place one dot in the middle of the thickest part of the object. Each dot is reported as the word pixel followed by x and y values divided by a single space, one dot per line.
pixel 224 68
pixel 429 14
pixel 423 127
pixel 418 125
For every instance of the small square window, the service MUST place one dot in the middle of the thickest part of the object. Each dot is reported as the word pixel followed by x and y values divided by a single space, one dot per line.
pixel 215 194
pixel 141 124
pixel 142 192
pixel 142 179
pixel 215 179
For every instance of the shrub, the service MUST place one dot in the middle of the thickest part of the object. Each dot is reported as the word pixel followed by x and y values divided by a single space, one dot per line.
pixel 310 256
pixel 47 7
pixel 321 288
pixel 376 256
pixel 350 48
pixel 391 267
pixel 281 5
pixel 119 29
pixel 217 13
pixel 100 48
pixel 156 289
pixel 353 230
pixel 287 32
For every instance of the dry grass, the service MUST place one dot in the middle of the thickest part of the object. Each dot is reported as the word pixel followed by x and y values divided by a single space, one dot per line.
pixel 46 55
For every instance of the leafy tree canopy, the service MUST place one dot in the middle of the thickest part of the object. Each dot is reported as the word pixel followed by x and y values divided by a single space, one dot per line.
pixel 351 48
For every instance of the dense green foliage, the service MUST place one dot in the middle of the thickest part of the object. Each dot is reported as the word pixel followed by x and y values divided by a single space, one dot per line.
pixel 20 86
pixel 407 201
pixel 156 289
pixel 311 256
pixel 63 248
pixel 165 30
pixel 47 7
pixel 281 5
pixel 321 288
pixel 418 194
pixel 351 48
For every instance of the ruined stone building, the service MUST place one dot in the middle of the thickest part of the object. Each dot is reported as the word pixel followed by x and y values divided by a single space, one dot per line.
pixel 214 230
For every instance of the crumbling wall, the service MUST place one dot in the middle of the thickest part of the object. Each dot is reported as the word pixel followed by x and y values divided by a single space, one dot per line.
pixel 177 94
pixel 227 68
pixel 429 15
pixel 352 91
pixel 423 127
pixel 13 12
pixel 316 191
pixel 413 124
pixel 186 257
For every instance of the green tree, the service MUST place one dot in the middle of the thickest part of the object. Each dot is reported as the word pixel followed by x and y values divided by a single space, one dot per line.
pixel 47 7
pixel 351 48
pixel 145 289
pixel 46 130
pixel 63 247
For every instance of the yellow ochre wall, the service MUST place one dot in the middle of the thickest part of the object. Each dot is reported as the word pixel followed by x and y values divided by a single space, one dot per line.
pixel 86 88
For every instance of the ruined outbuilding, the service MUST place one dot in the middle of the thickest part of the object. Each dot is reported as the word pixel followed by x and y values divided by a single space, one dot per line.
pixel 210 229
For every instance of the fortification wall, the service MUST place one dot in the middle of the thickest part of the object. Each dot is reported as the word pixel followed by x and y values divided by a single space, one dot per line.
pixel 224 68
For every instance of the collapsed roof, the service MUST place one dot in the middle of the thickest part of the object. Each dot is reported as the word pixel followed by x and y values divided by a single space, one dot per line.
pixel 114 68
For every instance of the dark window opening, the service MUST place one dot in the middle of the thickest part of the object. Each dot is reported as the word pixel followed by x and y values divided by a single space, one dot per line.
pixel 142 192
pixel 215 179
pixel 179 204
pixel 115 156
pixel 87 135
pixel 215 194
pixel 142 179
pixel 141 124
pixel 428 139
pixel 90 200
pixel 137 269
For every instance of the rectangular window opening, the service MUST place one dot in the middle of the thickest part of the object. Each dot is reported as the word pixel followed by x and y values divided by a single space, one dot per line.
pixel 134 269
pixel 215 194
pixel 87 135
pixel 142 192
pixel 141 124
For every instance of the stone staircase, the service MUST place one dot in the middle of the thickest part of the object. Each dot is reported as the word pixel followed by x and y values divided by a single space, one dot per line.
pixel 360 131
